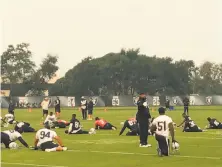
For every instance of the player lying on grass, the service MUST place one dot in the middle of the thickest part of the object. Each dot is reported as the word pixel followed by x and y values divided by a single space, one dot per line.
pixel 24 126
pixel 75 127
pixel 132 125
pixel 44 140
pixel 189 124
pixel 214 123
pixel 103 124
pixel 9 136
pixel 162 126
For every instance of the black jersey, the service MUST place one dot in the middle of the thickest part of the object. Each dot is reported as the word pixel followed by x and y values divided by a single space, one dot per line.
pixel 214 123
pixel 131 125
pixel 75 124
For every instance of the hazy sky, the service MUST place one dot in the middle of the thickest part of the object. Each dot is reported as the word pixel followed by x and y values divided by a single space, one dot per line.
pixel 74 29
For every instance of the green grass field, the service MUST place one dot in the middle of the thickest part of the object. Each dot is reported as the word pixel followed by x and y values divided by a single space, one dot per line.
pixel 107 149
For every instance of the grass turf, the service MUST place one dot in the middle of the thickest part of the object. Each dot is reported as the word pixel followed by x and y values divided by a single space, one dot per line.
pixel 106 148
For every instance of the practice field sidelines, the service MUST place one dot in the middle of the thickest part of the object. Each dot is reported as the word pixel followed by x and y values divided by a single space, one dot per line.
pixel 24 164
pixel 130 153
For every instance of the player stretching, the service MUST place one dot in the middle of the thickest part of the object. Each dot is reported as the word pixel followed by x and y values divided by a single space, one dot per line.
pixel 44 140
pixel 75 127
pixel 9 136
pixel 162 125
pixel 132 125
pixel 103 124
pixel 214 123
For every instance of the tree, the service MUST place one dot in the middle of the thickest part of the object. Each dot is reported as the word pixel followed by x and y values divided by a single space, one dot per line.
pixel 16 64
pixel 17 67
pixel 127 73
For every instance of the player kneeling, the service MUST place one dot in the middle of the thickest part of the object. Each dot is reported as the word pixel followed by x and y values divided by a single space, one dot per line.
pixel 132 125
pixel 161 126
pixel 10 136
pixel 75 127
pixel 44 140
pixel 103 124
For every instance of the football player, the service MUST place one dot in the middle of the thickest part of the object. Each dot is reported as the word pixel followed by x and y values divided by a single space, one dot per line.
pixel 214 123
pixel 75 127
pixel 103 124
pixel 57 107
pixel 45 107
pixel 189 124
pixel 162 126
pixel 132 125
pixel 24 126
pixel 9 136
pixel 44 140
pixel 50 119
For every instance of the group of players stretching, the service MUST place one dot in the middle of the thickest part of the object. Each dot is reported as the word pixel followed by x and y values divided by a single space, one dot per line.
pixel 45 136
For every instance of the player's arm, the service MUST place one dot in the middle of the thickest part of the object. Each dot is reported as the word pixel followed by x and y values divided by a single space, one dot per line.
pixel 124 127
pixel 96 125
pixel 23 142
pixel 181 123
pixel 153 128
pixel 58 139
pixel 70 128
pixel 171 128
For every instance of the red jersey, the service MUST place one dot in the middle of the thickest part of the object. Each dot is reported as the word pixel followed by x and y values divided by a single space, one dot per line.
pixel 65 122
pixel 101 123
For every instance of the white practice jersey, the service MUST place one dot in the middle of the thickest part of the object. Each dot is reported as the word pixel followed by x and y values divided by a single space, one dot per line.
pixel 45 105
pixel 45 135
pixel 83 104
pixel 20 124
pixel 162 123
pixel 9 117
pixel 13 135
pixel 51 118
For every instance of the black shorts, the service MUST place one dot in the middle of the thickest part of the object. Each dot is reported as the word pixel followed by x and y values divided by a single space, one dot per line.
pixel 107 126
pixel 90 112
pixel 163 144
pixel 48 145
pixel 5 139
pixel 193 129
pixel 131 133
pixel 57 110
pixel 45 112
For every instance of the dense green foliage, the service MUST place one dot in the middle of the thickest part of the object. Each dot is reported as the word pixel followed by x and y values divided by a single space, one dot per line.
pixel 125 73
pixel 129 72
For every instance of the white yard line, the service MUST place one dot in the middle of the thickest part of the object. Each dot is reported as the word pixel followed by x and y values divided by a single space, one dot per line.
pixel 24 164
pixel 129 153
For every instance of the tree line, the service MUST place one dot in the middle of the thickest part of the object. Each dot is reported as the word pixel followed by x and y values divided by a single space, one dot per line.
pixel 125 73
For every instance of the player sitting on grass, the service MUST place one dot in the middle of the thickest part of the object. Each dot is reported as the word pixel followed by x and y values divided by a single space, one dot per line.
pixel 214 123
pixel 103 124
pixel 75 127
pixel 132 125
pixel 189 124
pixel 44 140
pixel 24 126
pixel 9 136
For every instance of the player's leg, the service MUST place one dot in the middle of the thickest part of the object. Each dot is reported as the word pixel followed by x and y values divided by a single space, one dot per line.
pixel 28 129
pixel 109 126
pixel 89 114
pixel 163 144
pixel 85 115
pixel 82 114
pixel 51 147
pixel 219 126
pixel 131 133
pixel 5 139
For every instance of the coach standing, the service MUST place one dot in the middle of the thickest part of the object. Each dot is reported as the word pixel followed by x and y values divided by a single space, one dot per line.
pixel 90 109
pixel 143 116
pixel 11 108
pixel 186 103
pixel 84 108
